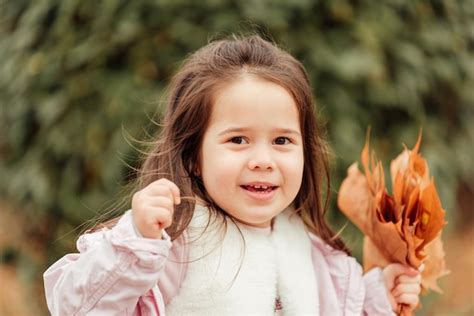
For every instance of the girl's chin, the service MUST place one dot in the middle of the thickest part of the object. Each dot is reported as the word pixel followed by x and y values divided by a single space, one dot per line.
pixel 264 224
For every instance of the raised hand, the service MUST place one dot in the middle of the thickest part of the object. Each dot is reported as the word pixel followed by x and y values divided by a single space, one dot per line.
pixel 153 206
pixel 403 285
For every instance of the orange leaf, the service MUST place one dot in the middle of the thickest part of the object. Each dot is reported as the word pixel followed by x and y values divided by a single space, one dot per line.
pixel 372 255
pixel 354 198
pixel 431 214
pixel 400 228
pixel 435 266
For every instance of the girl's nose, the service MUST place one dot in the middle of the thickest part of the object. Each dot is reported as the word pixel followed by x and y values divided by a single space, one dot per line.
pixel 261 159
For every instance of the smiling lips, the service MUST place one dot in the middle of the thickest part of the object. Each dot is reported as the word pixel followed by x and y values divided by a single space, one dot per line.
pixel 260 191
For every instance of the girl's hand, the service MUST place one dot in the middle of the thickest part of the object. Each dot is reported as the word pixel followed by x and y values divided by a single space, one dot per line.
pixel 153 206
pixel 403 285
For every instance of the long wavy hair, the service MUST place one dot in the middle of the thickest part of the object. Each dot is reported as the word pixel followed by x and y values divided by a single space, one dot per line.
pixel 176 151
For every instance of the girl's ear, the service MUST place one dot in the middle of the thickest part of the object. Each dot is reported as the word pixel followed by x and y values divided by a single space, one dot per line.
pixel 197 170
pixel 197 166
pixel 194 168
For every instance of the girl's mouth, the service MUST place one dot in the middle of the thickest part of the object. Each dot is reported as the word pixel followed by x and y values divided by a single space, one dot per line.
pixel 259 192
pixel 259 188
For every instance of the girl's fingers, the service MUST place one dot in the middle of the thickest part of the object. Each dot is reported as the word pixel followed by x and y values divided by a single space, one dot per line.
pixel 394 271
pixel 409 288
pixel 411 300
pixel 175 191
pixel 421 268
pixel 165 187
pixel 158 188
pixel 153 207
pixel 161 218
pixel 408 279
pixel 403 285
pixel 161 201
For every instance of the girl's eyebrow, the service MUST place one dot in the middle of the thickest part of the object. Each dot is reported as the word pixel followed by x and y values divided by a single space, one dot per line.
pixel 233 130
pixel 242 129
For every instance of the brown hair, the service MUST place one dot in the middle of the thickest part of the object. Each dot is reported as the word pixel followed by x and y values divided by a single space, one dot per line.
pixel 175 154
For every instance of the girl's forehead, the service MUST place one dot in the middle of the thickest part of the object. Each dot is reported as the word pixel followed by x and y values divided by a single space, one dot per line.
pixel 251 100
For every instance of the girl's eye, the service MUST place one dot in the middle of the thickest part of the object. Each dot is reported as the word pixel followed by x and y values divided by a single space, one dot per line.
pixel 282 141
pixel 238 140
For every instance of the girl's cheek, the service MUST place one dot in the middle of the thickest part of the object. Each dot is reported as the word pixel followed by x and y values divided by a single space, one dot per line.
pixel 223 164
pixel 293 164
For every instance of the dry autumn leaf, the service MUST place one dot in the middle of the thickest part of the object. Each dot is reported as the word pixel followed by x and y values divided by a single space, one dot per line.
pixel 404 227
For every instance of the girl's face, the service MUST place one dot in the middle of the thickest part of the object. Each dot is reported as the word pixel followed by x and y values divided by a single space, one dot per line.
pixel 252 151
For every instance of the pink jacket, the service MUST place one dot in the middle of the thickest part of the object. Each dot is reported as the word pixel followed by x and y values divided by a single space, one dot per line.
pixel 117 272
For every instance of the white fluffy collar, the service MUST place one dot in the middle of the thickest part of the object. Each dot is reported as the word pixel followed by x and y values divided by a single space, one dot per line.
pixel 230 275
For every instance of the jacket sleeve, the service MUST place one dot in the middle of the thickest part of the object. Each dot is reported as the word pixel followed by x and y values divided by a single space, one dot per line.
pixel 112 270
pixel 376 300
pixel 360 294
pixel 344 289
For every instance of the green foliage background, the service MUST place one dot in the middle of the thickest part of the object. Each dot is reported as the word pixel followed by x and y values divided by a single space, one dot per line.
pixel 77 77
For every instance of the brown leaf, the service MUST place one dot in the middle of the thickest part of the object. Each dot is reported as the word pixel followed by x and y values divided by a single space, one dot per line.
pixel 364 200
pixel 435 266
pixel 354 198
pixel 431 214
pixel 401 228
pixel 372 257
pixel 388 239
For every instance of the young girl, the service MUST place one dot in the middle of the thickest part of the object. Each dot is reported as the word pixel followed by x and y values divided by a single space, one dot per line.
pixel 229 215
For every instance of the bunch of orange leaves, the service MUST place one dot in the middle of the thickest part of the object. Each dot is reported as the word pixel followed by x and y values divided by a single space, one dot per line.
pixel 404 227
